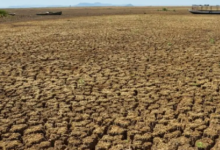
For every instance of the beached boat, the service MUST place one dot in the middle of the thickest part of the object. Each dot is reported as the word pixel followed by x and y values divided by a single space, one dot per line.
pixel 12 14
pixel 204 9
pixel 51 13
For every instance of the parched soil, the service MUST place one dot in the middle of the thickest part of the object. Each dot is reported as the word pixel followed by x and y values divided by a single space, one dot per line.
pixel 116 82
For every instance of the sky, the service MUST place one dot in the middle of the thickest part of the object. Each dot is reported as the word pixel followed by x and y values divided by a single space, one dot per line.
pixel 7 3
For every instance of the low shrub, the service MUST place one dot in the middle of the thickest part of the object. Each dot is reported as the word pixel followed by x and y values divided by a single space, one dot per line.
pixel 164 9
pixel 3 13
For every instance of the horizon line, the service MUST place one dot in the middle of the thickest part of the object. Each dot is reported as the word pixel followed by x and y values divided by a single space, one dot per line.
pixel 72 6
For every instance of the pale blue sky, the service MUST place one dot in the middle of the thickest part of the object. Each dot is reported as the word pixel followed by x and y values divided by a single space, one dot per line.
pixel 7 3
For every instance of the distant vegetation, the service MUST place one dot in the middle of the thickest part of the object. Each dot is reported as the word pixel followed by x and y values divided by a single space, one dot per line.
pixel 3 13
pixel 165 9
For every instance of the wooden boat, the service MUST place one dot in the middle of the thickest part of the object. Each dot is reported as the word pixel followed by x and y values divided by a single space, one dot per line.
pixel 204 9
pixel 12 14
pixel 51 13
pixel 204 12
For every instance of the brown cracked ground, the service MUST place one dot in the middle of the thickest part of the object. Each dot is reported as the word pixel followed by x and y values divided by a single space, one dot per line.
pixel 117 82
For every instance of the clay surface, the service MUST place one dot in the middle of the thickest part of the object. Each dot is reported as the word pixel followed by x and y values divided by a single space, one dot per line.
pixel 145 80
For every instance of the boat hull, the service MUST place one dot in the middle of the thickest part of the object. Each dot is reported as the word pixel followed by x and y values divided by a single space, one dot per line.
pixel 51 13
pixel 204 11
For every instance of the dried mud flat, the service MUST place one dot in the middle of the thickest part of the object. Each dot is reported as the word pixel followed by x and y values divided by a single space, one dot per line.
pixel 111 83
pixel 26 14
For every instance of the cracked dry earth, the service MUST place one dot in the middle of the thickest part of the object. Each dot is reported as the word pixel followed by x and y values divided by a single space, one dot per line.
pixel 111 83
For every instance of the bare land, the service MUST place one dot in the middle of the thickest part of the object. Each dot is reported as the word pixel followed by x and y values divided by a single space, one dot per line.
pixel 30 14
pixel 145 80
